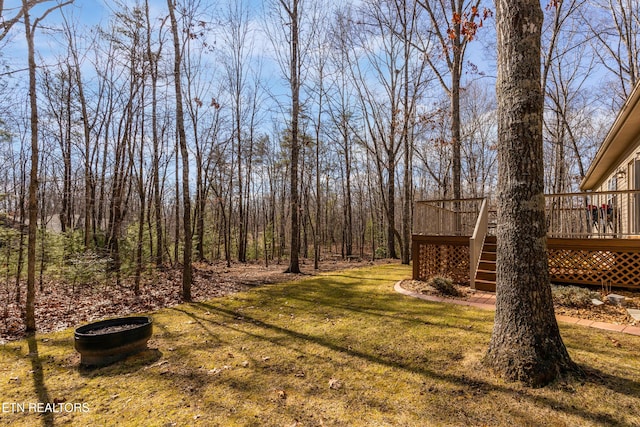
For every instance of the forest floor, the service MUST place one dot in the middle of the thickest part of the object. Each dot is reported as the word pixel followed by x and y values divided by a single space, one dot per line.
pixel 61 305
pixel 337 349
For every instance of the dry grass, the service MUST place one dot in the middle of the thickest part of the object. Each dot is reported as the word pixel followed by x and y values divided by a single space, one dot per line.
pixel 341 349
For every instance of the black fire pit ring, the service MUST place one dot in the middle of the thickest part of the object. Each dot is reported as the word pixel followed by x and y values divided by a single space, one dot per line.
pixel 108 341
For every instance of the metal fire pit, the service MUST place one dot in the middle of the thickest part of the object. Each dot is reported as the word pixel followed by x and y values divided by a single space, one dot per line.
pixel 105 342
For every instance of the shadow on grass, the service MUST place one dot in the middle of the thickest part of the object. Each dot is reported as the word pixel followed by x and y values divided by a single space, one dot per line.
pixel 38 379
pixel 612 382
pixel 618 385
pixel 130 364
pixel 324 291
pixel 359 278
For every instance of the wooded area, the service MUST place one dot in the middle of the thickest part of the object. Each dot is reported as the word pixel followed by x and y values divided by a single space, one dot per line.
pixel 190 132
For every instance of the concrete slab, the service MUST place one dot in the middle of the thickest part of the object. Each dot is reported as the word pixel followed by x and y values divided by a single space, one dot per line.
pixel 616 299
pixel 634 313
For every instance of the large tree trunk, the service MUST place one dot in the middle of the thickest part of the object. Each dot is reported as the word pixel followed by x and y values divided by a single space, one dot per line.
pixel 526 344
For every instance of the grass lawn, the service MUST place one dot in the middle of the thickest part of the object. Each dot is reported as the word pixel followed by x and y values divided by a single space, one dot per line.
pixel 342 349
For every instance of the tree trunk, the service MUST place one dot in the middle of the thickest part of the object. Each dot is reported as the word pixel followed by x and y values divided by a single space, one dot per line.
pixel 20 261
pixel 348 210
pixel 391 205
pixel 157 195
pixel 142 193
pixel 294 203
pixel 200 203
pixel 182 140
pixel 525 345
pixel 176 229
pixel 30 318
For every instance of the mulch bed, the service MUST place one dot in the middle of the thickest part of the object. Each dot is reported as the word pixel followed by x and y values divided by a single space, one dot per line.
pixel 607 312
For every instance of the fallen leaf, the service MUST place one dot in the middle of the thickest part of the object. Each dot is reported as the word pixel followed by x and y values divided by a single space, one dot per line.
pixel 335 384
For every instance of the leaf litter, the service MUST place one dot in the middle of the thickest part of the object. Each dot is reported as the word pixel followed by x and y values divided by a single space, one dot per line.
pixel 61 305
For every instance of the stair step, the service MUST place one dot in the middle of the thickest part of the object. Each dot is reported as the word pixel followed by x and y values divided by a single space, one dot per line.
pixel 485 279
pixel 488 256
pixel 486 275
pixel 487 264
pixel 485 285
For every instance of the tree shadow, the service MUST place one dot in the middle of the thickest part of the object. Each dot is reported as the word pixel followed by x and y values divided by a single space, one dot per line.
pixel 619 385
pixel 614 383
pixel 38 379
pixel 128 365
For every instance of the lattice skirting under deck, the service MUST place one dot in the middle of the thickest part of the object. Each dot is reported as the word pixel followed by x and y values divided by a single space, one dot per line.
pixel 614 262
pixel 593 265
pixel 441 257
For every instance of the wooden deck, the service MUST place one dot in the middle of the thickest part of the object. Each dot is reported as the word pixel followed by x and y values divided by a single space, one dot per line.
pixel 614 262
pixel 584 249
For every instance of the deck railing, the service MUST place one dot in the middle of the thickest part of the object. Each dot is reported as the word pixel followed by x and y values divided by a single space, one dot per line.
pixel 597 214
pixel 593 238
pixel 601 214
pixel 446 217
pixel 476 242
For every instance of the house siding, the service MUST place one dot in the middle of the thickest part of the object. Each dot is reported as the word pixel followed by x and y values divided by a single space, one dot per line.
pixel 625 175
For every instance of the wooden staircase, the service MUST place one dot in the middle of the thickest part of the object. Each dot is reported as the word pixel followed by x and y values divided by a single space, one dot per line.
pixel 485 279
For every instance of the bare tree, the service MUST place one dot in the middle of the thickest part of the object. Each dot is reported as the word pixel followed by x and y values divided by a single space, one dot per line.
pixel 567 66
pixel 477 111
pixel 30 29
pixel 290 18
pixel 10 15
pixel 187 271
pixel 239 44
pixel 153 54
pixel 413 84
pixel 389 105
pixel 615 25
pixel 381 104
pixel 342 115
pixel 454 25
